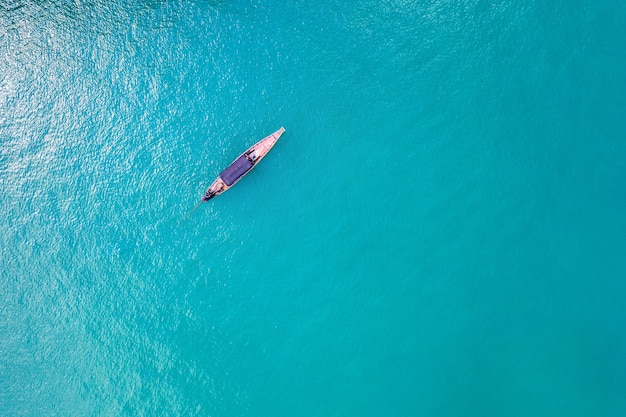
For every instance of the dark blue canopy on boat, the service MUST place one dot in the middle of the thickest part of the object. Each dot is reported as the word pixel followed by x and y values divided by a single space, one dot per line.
pixel 236 170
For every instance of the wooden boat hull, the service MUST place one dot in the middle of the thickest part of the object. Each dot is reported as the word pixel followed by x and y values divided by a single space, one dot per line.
pixel 242 165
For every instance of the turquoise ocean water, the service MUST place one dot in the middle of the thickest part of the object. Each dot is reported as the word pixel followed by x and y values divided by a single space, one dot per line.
pixel 441 231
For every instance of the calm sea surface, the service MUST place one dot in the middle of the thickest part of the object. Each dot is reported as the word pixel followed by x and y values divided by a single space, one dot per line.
pixel 441 230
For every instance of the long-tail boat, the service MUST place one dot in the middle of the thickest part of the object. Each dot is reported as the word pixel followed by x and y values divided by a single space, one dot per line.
pixel 242 165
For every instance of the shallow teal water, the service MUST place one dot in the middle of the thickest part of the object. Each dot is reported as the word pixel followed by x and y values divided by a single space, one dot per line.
pixel 440 231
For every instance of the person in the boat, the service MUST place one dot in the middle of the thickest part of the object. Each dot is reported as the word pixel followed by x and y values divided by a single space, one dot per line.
pixel 252 156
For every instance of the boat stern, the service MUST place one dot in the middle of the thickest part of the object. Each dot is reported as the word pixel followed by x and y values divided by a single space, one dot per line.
pixel 207 196
pixel 217 188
